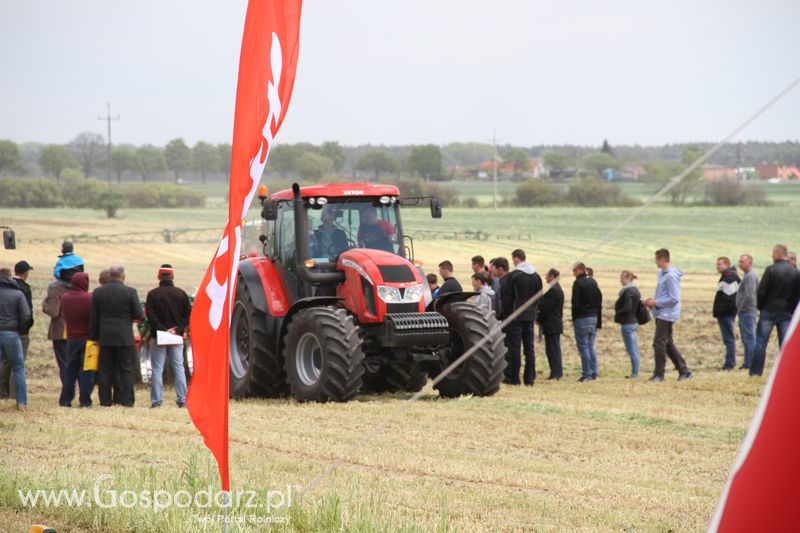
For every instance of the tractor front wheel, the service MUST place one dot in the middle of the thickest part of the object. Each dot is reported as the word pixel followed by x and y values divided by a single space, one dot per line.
pixel 481 373
pixel 323 356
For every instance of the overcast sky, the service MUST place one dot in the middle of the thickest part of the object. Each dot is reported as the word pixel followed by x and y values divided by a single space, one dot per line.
pixel 409 72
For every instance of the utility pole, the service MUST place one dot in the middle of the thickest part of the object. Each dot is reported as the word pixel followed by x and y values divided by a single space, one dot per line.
pixel 108 118
pixel 494 167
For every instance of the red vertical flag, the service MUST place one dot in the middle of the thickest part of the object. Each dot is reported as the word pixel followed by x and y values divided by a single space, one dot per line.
pixel 763 490
pixel 267 68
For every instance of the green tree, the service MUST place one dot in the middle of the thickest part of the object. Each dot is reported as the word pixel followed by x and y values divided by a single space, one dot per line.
pixel 283 159
pixel 123 159
pixel 519 159
pixel 681 192
pixel 378 162
pixel 149 160
pixel 606 148
pixel 426 162
pixel 334 152
pixel 555 161
pixel 110 200
pixel 313 166
pixel 55 158
pixel 89 149
pixel 224 151
pixel 537 192
pixel 597 162
pixel 9 156
pixel 205 159
pixel 178 156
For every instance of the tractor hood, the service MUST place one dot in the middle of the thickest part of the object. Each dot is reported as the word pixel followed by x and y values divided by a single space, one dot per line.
pixel 378 283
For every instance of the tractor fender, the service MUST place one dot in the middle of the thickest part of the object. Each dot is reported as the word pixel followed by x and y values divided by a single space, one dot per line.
pixel 450 297
pixel 264 285
pixel 301 304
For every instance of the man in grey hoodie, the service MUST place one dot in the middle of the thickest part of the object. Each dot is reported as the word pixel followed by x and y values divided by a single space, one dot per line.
pixel 666 309
pixel 746 308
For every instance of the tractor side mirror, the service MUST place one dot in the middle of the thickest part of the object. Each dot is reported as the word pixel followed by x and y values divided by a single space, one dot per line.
pixel 9 240
pixel 436 208
pixel 270 210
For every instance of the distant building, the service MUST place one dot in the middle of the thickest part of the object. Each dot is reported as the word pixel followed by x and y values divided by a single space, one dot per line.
pixel 717 172
pixel 777 172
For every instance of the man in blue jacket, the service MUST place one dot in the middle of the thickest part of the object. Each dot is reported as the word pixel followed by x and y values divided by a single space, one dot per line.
pixel 666 309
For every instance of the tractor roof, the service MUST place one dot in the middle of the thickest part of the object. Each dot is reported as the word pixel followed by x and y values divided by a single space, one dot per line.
pixel 340 189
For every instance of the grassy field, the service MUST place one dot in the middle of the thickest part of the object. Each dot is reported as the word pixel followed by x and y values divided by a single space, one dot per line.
pixel 615 454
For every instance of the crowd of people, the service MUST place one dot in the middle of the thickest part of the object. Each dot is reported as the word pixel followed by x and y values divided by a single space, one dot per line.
pixel 83 322
pixel 760 305
pixel 101 320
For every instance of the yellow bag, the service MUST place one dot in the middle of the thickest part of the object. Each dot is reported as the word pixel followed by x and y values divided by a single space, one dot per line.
pixel 91 355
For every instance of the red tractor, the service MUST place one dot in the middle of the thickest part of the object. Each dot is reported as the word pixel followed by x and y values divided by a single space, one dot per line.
pixel 337 304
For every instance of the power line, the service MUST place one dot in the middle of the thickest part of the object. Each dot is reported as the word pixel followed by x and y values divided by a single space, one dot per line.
pixel 108 118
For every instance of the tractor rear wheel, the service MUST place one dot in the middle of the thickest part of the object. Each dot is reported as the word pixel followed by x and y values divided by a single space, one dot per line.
pixel 323 355
pixel 255 368
pixel 482 373
pixel 396 376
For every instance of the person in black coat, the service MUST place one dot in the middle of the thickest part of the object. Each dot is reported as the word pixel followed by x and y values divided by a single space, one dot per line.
pixel 625 310
pixel 777 297
pixel 519 286
pixel 551 321
pixel 114 308
pixel 587 318
pixel 725 308
pixel 450 284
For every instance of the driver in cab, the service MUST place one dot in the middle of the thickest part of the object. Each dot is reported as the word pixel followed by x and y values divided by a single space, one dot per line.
pixel 329 240
pixel 373 233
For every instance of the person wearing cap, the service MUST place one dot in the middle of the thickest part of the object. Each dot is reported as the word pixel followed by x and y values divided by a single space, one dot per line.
pixel 66 267
pixel 21 272
pixel 167 309
pixel 77 306
pixel 15 316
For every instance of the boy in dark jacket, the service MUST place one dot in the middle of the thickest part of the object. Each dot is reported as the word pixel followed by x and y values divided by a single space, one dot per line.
pixel 15 316
pixel 587 302
pixel 21 271
pixel 551 320
pixel 450 284
pixel 725 308
pixel 76 305
pixel 777 297
pixel 625 310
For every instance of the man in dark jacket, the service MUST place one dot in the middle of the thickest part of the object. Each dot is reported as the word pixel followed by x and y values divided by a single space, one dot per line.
pixel 519 286
pixel 15 316
pixel 114 308
pixel 725 308
pixel 551 321
pixel 777 297
pixel 167 309
pixel 77 307
pixel 498 268
pixel 450 284
pixel 587 318
pixel 21 272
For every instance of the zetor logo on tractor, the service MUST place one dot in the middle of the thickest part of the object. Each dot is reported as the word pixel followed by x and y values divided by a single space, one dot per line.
pixel 337 305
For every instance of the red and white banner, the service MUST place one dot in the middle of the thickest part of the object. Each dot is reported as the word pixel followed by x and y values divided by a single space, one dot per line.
pixel 763 490
pixel 267 68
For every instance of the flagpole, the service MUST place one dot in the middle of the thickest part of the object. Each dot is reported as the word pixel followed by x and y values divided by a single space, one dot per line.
pixel 225 511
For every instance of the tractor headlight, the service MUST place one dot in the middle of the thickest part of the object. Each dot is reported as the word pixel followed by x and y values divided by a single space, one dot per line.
pixel 389 295
pixel 413 293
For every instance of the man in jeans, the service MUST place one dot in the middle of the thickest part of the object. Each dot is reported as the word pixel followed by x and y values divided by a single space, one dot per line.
pixel 167 308
pixel 21 272
pixel 587 318
pixel 776 297
pixel 746 308
pixel 15 316
pixel 77 307
pixel 725 308
pixel 519 286
pixel 666 309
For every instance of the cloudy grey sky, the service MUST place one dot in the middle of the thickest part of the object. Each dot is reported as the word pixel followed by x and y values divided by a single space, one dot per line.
pixel 415 71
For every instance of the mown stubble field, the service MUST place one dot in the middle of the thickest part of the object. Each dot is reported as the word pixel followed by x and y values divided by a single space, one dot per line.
pixel 609 455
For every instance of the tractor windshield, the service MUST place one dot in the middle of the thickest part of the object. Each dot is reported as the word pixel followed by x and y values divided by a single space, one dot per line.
pixel 340 225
